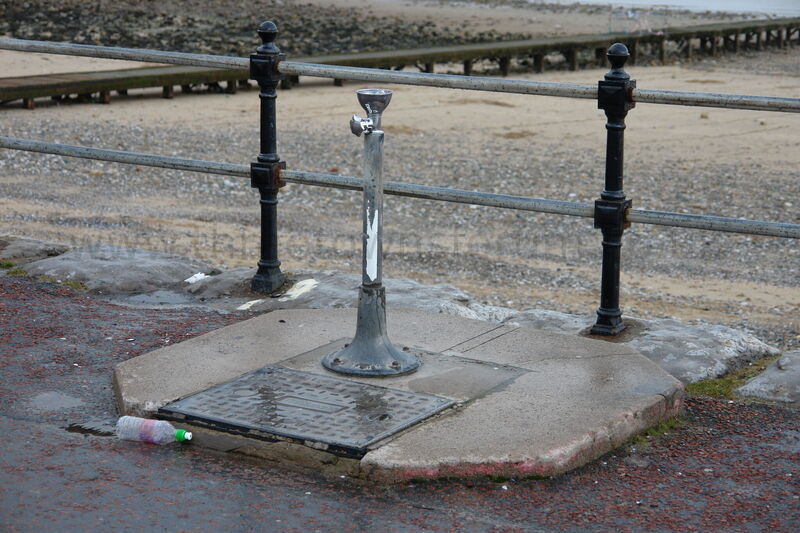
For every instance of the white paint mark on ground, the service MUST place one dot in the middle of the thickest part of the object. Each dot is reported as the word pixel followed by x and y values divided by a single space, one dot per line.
pixel 300 288
pixel 247 305
pixel 197 277
pixel 372 247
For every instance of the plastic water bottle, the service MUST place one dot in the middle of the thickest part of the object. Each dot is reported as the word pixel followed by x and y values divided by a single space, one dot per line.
pixel 146 430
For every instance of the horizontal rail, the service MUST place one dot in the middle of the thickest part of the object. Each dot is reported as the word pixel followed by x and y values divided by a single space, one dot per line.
pixel 444 194
pixel 523 203
pixel 567 90
pixel 712 223
pixel 130 158
pixel 445 81
pixel 728 101
pixel 129 54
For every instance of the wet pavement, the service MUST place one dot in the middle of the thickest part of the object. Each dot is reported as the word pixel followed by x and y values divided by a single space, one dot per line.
pixel 728 467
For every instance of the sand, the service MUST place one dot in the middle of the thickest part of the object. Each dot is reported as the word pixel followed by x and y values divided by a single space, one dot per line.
pixel 539 20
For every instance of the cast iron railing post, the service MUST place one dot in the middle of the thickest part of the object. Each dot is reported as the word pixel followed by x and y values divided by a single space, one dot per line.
pixel 265 172
pixel 613 97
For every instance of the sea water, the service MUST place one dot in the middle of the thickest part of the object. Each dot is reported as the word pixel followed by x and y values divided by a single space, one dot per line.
pixel 780 8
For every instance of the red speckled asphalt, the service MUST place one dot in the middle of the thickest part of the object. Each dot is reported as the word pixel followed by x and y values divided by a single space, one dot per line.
pixel 729 467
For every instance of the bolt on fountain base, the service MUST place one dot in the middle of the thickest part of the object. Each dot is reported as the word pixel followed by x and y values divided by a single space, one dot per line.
pixel 371 353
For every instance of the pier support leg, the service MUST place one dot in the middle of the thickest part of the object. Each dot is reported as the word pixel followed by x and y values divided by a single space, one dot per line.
pixel 505 65
pixel 634 51
pixel 600 56
pixel 338 83
pixel 689 50
pixel 167 92
pixel 287 83
pixel 780 37
pixel 736 45
pixel 714 45
pixel 104 97
pixel 572 58
pixel 759 43
pixel 538 63
pixel 28 103
pixel 186 89
pixel 230 87
pixel 467 67
pixel 662 50
pixel 429 68
pixel 122 92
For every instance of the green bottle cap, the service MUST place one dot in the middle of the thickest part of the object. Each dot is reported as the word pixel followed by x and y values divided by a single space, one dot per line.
pixel 182 435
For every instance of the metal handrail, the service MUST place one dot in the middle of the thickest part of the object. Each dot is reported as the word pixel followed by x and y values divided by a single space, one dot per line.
pixel 444 81
pixel 505 201
pixel 129 54
pixel 566 90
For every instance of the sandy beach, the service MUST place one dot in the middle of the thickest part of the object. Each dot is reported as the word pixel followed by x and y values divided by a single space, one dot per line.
pixel 709 161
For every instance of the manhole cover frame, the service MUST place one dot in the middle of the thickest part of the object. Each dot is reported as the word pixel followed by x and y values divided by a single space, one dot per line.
pixel 182 411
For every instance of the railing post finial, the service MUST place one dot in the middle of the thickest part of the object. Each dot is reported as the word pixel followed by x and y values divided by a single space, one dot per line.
pixel 617 55
pixel 268 32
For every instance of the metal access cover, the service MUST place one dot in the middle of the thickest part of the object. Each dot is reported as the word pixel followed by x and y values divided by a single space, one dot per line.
pixel 343 415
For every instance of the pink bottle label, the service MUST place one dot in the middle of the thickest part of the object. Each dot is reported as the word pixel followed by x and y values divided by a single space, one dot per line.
pixel 146 432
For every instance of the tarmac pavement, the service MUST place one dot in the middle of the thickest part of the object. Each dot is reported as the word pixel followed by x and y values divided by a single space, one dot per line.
pixel 730 466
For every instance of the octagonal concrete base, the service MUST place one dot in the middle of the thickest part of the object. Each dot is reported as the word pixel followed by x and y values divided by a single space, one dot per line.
pixel 577 399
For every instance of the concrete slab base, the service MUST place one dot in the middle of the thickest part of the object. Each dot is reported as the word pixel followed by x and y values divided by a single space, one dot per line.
pixel 558 401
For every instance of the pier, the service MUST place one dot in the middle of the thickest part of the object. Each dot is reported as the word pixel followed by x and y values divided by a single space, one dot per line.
pixel 686 43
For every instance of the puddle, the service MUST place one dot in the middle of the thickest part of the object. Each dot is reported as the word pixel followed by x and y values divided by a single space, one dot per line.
pixel 54 401
pixel 101 428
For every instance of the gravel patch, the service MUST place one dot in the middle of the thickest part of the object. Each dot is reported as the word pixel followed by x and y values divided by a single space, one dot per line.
pixel 228 26
pixel 502 257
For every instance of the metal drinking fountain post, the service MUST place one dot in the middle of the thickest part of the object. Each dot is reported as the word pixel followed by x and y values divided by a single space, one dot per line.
pixel 371 353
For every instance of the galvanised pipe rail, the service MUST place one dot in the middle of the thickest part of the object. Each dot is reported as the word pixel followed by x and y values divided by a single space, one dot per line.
pixel 410 190
pixel 728 101
pixel 566 90
pixel 129 54
pixel 129 158
pixel 444 81
pixel 541 88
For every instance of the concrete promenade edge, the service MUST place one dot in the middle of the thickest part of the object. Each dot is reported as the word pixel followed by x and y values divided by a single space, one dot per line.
pixel 577 399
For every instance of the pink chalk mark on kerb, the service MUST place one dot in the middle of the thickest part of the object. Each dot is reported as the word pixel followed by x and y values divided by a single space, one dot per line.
pixel 146 430
pixel 556 461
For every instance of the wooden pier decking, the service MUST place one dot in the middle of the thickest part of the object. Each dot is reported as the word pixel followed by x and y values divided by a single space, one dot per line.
pixel 706 39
